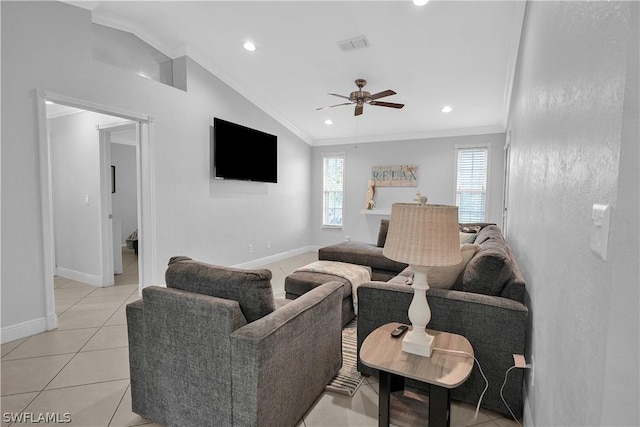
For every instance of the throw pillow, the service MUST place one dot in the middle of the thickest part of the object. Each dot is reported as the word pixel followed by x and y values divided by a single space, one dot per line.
pixel 489 270
pixel 444 277
pixel 467 237
pixel 382 233
pixel 467 228
pixel 250 288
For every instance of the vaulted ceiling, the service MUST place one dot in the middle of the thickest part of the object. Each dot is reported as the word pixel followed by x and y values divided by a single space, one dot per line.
pixel 456 53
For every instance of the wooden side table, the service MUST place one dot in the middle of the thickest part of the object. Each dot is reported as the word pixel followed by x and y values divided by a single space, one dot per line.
pixel 443 371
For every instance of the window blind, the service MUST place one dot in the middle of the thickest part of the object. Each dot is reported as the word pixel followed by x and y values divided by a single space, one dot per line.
pixel 333 190
pixel 471 187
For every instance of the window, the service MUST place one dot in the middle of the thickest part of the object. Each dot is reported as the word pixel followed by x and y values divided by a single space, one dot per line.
pixel 471 183
pixel 332 189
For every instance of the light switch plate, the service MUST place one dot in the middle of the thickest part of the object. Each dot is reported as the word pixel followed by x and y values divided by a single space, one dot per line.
pixel 600 215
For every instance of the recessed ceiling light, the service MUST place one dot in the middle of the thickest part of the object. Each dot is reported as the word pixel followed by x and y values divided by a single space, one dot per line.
pixel 446 109
pixel 48 102
pixel 328 122
pixel 249 46
pixel 420 2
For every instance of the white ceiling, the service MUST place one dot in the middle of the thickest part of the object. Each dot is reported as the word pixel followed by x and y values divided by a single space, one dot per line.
pixel 458 53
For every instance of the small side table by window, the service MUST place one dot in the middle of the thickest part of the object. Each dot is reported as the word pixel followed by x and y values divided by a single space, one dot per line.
pixel 443 371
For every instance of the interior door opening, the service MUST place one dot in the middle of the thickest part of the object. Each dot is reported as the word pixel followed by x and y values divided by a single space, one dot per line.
pixel 79 185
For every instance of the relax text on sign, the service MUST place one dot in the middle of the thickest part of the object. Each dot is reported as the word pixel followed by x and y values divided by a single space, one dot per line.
pixel 395 175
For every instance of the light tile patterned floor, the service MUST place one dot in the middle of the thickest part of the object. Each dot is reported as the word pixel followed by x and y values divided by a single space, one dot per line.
pixel 82 368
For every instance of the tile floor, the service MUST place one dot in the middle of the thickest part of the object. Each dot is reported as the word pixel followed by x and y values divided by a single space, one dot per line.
pixel 82 368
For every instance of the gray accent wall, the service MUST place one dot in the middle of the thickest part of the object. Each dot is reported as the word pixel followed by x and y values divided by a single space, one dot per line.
pixel 574 122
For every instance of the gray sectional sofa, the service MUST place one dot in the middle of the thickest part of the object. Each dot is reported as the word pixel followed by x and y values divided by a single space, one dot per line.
pixel 486 305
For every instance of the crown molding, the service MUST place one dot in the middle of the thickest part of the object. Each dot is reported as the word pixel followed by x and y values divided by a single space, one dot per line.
pixel 112 21
pixel 485 130
pixel 257 101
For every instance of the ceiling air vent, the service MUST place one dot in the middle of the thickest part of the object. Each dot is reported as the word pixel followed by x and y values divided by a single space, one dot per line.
pixel 359 42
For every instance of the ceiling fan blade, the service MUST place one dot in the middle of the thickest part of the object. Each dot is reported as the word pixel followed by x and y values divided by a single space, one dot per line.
pixel 386 104
pixel 382 94
pixel 359 109
pixel 331 106
pixel 340 96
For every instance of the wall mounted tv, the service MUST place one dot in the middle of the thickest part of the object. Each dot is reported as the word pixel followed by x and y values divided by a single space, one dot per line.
pixel 242 153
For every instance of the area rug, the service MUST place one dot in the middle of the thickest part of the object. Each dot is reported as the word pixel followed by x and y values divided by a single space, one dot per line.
pixel 348 379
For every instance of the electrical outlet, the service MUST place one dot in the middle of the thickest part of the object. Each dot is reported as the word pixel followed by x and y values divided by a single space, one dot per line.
pixel 520 362
pixel 250 248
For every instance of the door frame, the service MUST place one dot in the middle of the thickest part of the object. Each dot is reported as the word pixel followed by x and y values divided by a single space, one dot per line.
pixel 505 184
pixel 145 188
pixel 106 209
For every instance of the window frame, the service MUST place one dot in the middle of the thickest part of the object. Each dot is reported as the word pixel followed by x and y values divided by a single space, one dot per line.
pixel 479 146
pixel 333 155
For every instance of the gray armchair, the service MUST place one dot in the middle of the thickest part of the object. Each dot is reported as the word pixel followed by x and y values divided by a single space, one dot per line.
pixel 212 349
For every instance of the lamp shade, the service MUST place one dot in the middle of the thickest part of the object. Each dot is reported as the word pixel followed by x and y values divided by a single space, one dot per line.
pixel 423 235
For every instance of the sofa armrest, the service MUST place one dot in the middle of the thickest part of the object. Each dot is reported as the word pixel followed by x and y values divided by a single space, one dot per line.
pixel 135 332
pixel 287 356
pixel 495 327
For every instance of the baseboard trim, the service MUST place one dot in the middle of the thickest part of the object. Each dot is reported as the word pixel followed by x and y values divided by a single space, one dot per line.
pixel 79 276
pixel 277 257
pixel 24 329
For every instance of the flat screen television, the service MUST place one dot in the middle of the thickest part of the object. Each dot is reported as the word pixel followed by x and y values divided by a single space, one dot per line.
pixel 242 153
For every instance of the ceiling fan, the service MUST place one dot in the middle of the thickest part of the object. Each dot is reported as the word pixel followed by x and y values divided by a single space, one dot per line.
pixel 361 97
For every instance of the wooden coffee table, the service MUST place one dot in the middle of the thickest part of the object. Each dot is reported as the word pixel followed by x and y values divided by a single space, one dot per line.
pixel 443 371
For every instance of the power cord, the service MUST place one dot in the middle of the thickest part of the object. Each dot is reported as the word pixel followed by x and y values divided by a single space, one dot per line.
pixel 506 374
pixel 486 387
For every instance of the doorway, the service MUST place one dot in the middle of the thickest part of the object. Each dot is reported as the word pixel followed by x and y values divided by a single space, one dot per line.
pixel 98 200
pixel 119 171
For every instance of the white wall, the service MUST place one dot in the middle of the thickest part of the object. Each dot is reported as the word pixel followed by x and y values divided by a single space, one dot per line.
pixel 124 200
pixel 48 45
pixel 75 172
pixel 567 119
pixel 436 179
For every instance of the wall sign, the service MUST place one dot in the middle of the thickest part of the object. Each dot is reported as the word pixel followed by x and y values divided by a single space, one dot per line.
pixel 395 175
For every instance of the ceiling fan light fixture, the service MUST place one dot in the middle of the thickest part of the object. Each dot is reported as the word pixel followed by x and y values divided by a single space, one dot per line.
pixel 446 109
pixel 361 97
pixel 249 46
pixel 420 2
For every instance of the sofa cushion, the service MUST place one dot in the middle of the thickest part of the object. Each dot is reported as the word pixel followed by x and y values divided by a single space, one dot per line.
pixel 382 232
pixel 250 288
pixel 489 270
pixel 405 277
pixel 444 277
pixel 489 232
pixel 360 253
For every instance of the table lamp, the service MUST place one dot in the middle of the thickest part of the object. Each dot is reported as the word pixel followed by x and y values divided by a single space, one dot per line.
pixel 422 236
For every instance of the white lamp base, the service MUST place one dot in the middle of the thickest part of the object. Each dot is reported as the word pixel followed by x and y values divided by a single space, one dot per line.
pixel 418 342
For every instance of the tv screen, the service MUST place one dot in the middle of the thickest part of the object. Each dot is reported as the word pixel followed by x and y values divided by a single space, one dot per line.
pixel 243 153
